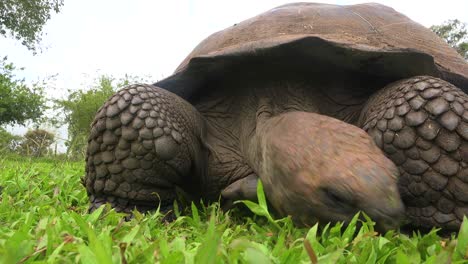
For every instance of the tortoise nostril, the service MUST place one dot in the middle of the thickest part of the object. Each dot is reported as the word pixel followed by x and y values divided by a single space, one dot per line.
pixel 385 224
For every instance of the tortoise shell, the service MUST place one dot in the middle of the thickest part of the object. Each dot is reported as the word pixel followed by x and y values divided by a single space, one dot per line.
pixel 368 38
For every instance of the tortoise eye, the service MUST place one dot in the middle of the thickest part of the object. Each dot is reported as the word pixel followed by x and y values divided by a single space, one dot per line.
pixel 337 198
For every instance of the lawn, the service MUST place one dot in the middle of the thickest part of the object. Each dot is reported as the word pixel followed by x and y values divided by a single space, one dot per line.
pixel 43 219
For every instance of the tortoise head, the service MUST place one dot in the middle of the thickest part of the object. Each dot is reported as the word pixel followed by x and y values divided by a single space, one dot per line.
pixel 317 168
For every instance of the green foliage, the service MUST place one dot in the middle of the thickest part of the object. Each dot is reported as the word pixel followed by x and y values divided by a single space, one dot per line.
pixel 81 106
pixel 18 102
pixel 24 20
pixel 260 208
pixel 36 143
pixel 44 219
pixel 8 141
pixel 454 32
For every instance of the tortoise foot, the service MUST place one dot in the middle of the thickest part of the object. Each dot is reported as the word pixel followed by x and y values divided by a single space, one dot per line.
pixel 127 206
pixel 144 143
pixel 243 189
pixel 421 125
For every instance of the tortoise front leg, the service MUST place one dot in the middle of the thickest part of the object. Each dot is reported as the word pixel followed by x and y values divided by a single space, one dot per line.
pixel 144 143
pixel 421 125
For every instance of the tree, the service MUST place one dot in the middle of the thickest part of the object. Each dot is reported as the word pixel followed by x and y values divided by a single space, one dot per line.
pixel 24 19
pixel 36 142
pixel 18 102
pixel 454 32
pixel 8 141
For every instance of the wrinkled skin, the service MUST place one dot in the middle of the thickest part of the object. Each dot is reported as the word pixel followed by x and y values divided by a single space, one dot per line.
pixel 314 166
pixel 302 132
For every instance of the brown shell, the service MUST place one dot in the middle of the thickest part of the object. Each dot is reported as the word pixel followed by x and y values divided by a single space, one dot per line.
pixel 375 39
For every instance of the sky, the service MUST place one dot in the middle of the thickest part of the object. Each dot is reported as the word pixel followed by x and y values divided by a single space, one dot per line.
pixel 150 38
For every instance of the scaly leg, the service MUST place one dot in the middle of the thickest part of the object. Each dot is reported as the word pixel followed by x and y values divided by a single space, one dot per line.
pixel 145 142
pixel 421 125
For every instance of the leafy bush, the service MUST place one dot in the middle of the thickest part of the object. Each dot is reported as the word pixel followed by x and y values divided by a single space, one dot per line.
pixel 18 102
pixel 455 33
pixel 36 143
pixel 8 141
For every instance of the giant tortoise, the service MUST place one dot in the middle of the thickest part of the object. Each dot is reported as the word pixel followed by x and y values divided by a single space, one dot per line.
pixel 287 97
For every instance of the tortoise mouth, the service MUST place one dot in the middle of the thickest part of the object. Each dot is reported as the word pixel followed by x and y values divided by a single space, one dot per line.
pixel 383 222
pixel 385 218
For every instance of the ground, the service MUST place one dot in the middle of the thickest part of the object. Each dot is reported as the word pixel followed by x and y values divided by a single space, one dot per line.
pixel 43 218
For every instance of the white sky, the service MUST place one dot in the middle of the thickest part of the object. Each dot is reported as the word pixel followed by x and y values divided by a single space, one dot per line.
pixel 117 37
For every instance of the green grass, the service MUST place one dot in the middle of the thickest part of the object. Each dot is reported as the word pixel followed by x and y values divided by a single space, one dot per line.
pixel 43 219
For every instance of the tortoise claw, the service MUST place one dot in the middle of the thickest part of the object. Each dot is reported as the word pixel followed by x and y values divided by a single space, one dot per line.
pixel 243 189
